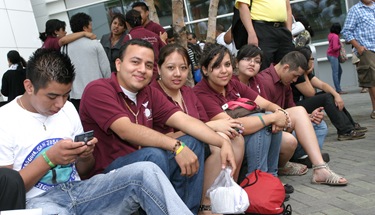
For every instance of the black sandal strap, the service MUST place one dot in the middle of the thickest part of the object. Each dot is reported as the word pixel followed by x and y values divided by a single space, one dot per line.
pixel 205 208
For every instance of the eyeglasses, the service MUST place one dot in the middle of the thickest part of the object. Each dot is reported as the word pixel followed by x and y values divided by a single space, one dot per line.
pixel 252 60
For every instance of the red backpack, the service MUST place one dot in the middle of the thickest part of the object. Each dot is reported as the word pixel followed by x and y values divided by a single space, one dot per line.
pixel 266 194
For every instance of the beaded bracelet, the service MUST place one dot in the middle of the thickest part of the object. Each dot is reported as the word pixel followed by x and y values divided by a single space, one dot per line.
pixel 284 111
pixel 49 162
pixel 288 124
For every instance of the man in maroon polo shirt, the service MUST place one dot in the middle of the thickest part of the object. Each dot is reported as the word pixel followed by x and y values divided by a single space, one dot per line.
pixel 122 111
pixel 133 22
pixel 147 23
pixel 276 80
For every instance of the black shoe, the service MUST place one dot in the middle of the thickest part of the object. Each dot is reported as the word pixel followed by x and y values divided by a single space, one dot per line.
pixel 288 188
pixel 359 128
pixel 306 161
pixel 353 135
pixel 287 197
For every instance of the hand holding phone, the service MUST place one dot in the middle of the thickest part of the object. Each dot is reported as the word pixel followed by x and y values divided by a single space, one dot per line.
pixel 84 137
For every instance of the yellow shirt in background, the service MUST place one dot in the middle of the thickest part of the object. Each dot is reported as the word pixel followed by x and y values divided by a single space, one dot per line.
pixel 267 10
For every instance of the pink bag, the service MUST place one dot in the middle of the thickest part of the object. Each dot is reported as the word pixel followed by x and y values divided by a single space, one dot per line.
pixel 241 107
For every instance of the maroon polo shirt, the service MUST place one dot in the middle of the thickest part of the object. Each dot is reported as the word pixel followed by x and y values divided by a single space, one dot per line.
pixel 141 33
pixel 213 101
pixel 193 105
pixel 254 84
pixel 51 43
pixel 103 102
pixel 275 90
pixel 154 27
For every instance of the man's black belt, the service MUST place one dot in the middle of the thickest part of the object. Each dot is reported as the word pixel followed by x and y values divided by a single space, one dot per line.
pixel 274 24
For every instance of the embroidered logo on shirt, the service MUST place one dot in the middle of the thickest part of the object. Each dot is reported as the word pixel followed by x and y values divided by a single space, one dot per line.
pixel 147 112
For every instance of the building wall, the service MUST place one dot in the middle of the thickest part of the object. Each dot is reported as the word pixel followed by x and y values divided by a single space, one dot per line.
pixel 22 20
pixel 18 30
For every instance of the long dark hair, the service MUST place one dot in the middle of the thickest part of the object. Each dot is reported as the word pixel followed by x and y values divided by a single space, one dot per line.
pixel 169 49
pixel 52 25
pixel 249 51
pixel 15 58
pixel 211 50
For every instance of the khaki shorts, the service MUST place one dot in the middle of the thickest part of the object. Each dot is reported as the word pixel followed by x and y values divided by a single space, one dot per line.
pixel 366 69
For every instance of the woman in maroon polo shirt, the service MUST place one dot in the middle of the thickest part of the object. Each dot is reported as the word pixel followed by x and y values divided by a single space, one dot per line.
pixel 55 35
pixel 218 87
pixel 249 59
pixel 173 69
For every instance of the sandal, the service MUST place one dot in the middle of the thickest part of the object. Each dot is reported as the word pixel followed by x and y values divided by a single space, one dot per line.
pixel 292 168
pixel 205 209
pixel 333 179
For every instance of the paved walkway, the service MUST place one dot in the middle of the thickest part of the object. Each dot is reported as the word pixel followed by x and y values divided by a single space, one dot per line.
pixel 353 159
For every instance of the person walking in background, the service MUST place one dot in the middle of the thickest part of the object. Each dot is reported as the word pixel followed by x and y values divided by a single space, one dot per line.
pixel 359 30
pixel 88 57
pixel 112 42
pixel 12 82
pixel 55 35
pixel 333 52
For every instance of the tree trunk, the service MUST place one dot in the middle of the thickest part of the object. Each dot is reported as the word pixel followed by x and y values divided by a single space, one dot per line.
pixel 211 29
pixel 153 15
pixel 179 30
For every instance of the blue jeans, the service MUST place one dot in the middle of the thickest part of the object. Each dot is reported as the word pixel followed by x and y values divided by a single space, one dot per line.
pixel 188 188
pixel 262 150
pixel 321 131
pixel 121 191
pixel 336 71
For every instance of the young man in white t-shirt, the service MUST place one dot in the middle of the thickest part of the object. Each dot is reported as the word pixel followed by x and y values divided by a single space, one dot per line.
pixel 36 135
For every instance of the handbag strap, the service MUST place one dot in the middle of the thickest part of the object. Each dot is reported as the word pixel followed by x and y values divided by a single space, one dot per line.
pixel 242 102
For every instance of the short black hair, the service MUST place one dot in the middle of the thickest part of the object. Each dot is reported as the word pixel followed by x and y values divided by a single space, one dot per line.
pixel 46 65
pixel 306 51
pixel 120 17
pixel 78 21
pixel 295 59
pixel 136 41
pixel 335 28
pixel 140 4
pixel 134 18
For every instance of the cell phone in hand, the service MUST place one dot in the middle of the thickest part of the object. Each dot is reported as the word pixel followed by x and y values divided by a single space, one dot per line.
pixel 84 137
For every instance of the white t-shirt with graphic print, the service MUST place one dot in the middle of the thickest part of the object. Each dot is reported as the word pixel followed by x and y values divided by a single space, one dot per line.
pixel 23 138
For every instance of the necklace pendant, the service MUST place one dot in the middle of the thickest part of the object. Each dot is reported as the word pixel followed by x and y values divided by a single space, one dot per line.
pixel 44 126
